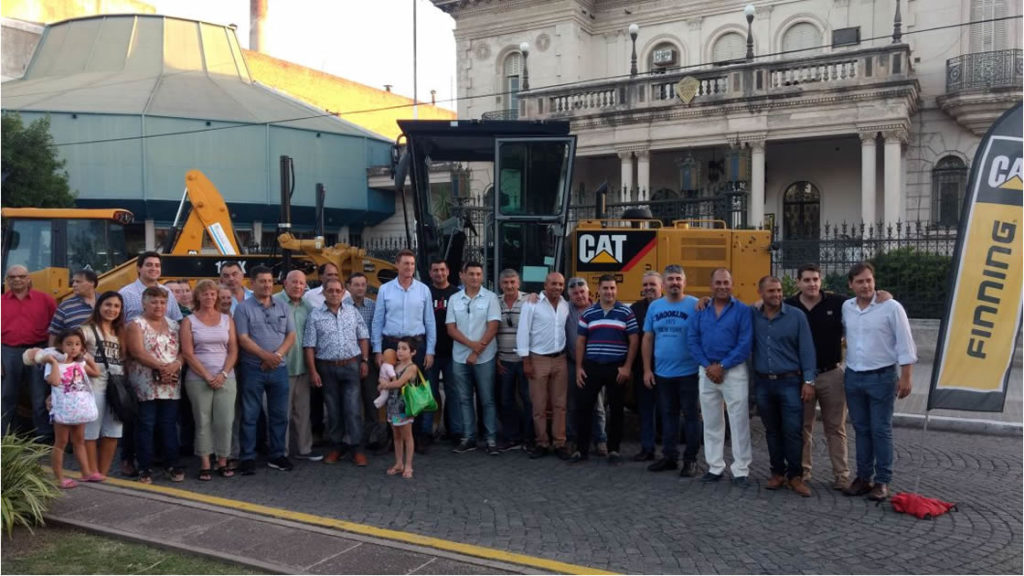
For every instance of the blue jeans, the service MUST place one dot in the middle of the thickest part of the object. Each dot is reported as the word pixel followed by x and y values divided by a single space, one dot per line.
pixel 516 423
pixel 17 375
pixel 782 413
pixel 870 398
pixel 275 385
pixel 157 416
pixel 675 394
pixel 646 405
pixel 599 434
pixel 343 397
pixel 479 377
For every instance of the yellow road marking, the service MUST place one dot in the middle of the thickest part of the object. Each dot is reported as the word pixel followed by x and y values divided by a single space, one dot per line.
pixel 365 529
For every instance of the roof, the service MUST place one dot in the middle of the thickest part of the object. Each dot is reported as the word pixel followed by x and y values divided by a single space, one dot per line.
pixel 155 66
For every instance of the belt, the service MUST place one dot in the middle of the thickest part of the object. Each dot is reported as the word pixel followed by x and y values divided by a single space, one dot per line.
pixel 344 362
pixel 875 371
pixel 418 337
pixel 552 355
pixel 780 376
pixel 824 369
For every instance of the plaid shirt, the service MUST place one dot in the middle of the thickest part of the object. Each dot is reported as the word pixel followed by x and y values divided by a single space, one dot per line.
pixel 366 309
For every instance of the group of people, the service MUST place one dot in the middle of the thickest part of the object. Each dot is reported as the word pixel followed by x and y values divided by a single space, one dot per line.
pixel 547 373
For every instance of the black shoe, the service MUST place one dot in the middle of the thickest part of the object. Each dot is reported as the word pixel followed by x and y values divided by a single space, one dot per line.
pixel 689 469
pixel 576 458
pixel 663 465
pixel 465 446
pixel 510 446
pixel 247 467
pixel 492 450
pixel 280 463
pixel 740 482
pixel 614 459
pixel 709 477
pixel 539 452
pixel 563 453
pixel 644 456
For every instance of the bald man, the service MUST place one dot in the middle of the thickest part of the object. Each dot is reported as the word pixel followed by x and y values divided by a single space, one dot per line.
pixel 299 436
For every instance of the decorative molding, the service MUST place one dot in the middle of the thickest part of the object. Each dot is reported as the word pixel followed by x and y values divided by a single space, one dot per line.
pixel 624 153
pixel 543 42
pixel 695 23
pixel 482 51
pixel 898 133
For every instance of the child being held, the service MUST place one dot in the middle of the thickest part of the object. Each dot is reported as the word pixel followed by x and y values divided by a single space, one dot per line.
pixel 387 374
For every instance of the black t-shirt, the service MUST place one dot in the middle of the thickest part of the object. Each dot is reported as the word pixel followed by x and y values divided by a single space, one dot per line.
pixel 440 296
pixel 826 320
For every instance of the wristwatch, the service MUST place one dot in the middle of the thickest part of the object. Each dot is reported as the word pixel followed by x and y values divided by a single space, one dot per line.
pixel 809 383
pixel 365 360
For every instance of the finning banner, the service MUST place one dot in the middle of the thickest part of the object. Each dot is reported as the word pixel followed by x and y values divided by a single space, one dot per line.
pixel 978 336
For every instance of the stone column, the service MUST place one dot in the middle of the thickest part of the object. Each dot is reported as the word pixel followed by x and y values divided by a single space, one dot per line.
pixel 643 175
pixel 627 176
pixel 867 178
pixel 894 175
pixel 755 211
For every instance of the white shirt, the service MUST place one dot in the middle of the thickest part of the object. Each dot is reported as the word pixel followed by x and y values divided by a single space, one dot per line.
pixel 470 316
pixel 877 336
pixel 315 297
pixel 542 327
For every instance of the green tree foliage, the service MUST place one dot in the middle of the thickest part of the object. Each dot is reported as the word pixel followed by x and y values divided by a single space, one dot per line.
pixel 918 279
pixel 33 171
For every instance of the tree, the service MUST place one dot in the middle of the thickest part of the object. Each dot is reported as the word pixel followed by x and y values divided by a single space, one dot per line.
pixel 33 172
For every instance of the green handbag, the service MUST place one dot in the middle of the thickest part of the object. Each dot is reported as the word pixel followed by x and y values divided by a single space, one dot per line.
pixel 418 397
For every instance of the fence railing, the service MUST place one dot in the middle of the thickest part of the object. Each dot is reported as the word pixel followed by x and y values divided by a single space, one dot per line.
pixel 995 69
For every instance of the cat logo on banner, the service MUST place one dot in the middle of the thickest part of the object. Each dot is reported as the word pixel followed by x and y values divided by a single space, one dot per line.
pixel 979 332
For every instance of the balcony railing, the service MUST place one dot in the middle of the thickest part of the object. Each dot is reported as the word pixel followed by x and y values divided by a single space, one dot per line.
pixel 982 70
pixel 716 84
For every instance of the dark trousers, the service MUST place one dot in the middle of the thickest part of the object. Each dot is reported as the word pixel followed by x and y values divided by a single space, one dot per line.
pixel 17 377
pixel 600 376
pixel 516 422
pixel 782 413
pixel 675 395
pixel 158 419
pixel 646 406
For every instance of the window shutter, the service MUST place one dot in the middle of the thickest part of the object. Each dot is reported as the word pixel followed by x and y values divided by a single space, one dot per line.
pixel 802 36
pixel 731 46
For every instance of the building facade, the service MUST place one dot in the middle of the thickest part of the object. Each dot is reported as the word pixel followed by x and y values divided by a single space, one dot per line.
pixel 816 111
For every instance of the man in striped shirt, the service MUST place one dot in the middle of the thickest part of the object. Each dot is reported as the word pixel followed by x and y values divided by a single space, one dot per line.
pixel 74 311
pixel 606 346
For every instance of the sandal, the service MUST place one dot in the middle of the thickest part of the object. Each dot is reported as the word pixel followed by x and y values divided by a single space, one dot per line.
pixel 68 483
pixel 225 471
pixel 175 474
pixel 407 473
pixel 205 475
pixel 146 476
pixel 395 470
pixel 129 470
pixel 94 477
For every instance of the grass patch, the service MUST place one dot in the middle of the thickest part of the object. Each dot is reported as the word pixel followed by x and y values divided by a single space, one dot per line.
pixel 60 550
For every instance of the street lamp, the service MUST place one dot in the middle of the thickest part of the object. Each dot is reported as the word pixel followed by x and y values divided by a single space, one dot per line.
pixel 749 11
pixel 524 49
pixel 634 29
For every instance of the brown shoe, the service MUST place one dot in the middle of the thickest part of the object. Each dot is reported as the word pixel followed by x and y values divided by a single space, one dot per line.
pixel 777 481
pixel 859 487
pixel 840 484
pixel 796 484
pixel 332 457
pixel 879 492
pixel 359 459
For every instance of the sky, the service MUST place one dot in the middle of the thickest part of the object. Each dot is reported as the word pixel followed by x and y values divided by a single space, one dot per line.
pixel 369 41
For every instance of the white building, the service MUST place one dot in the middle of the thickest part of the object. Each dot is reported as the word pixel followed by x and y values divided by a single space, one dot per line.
pixel 819 111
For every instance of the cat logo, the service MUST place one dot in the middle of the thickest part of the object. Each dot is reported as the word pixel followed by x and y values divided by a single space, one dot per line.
pixel 601 248
pixel 1003 174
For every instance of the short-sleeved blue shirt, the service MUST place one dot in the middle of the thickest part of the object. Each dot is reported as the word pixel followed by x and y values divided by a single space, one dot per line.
pixel 266 326
pixel 667 322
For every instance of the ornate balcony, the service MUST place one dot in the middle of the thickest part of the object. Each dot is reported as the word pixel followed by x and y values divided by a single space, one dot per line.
pixel 981 86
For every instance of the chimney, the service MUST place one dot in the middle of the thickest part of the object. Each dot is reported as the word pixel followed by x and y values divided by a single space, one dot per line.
pixel 257 25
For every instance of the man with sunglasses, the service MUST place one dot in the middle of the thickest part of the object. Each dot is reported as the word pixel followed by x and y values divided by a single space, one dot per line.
pixel 516 424
pixel 579 300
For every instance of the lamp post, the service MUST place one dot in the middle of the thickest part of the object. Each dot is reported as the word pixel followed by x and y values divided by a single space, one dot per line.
pixel 524 49
pixel 634 29
pixel 749 12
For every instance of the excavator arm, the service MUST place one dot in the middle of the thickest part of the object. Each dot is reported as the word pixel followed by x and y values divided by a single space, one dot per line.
pixel 208 217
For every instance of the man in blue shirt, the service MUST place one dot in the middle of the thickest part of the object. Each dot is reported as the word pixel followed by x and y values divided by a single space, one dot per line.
pixel 605 348
pixel 671 371
pixel 719 341
pixel 783 357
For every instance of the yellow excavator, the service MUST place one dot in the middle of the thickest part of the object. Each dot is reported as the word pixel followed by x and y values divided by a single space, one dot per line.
pixel 54 242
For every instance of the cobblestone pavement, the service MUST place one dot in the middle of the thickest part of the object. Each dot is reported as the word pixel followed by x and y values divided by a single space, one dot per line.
pixel 630 520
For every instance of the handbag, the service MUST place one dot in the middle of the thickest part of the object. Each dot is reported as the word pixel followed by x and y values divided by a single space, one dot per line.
pixel 418 397
pixel 121 398
pixel 73 402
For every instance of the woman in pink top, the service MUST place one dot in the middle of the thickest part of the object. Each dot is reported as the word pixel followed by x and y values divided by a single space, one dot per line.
pixel 209 346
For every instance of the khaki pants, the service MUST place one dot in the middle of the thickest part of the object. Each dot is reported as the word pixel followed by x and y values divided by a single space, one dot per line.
pixel 549 384
pixel 830 394
pixel 299 438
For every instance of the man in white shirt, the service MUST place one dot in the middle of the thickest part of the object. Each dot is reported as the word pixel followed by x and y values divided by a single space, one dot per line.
pixel 540 342
pixel 315 297
pixel 880 355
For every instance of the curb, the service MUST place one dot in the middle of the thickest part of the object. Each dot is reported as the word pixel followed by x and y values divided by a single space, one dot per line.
pixel 962 425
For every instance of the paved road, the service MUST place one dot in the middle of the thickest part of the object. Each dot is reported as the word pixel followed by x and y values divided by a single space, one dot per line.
pixel 629 520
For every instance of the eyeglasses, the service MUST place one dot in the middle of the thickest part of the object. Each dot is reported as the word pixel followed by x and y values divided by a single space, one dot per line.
pixel 508 318
pixel 574 282
pixel 16 276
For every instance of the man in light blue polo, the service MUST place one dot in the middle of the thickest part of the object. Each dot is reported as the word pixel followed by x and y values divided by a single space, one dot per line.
pixel 472 320
pixel 266 332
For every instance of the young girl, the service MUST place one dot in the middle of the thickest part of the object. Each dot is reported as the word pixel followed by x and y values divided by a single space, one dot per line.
pixel 401 424
pixel 73 403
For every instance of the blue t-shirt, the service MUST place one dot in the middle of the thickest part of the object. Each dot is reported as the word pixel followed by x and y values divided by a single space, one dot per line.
pixel 667 321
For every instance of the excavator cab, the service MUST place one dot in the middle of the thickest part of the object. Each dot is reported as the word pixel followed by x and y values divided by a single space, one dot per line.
pixel 532 173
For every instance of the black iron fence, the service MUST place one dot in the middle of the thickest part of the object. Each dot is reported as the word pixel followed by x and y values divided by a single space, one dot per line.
pixel 995 69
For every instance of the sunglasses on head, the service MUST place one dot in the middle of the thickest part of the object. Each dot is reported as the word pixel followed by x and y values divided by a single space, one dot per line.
pixel 574 282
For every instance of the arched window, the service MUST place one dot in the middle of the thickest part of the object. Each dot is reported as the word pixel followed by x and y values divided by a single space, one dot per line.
pixel 510 76
pixel 664 56
pixel 802 36
pixel 801 220
pixel 729 46
pixel 949 182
